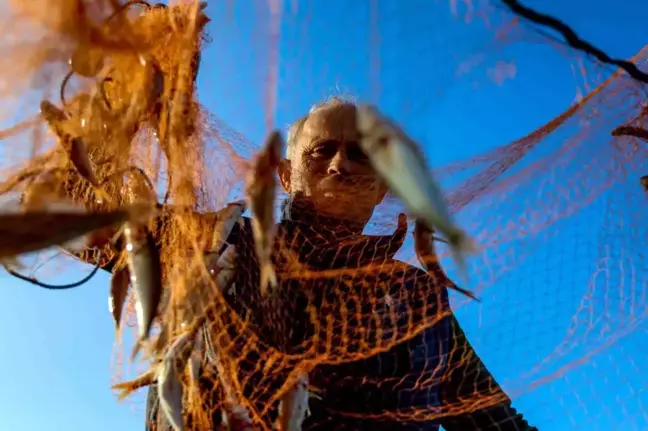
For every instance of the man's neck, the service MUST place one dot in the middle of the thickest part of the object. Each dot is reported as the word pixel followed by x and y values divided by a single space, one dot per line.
pixel 301 210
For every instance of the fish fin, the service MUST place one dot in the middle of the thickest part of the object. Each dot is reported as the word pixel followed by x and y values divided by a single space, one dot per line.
pixel 268 278
pixel 125 390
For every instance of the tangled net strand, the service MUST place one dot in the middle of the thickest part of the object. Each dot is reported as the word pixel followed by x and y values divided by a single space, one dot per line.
pixel 150 140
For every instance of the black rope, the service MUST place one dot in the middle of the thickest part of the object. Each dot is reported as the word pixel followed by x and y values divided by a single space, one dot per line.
pixel 573 39
pixel 64 84
pixel 38 283
pixel 633 131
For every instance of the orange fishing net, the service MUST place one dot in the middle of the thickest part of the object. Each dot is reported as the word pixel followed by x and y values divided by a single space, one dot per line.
pixel 531 205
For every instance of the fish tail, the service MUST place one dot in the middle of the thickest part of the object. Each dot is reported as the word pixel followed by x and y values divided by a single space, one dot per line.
pixel 137 348
pixel 466 292
pixel 127 388
pixel 461 246
pixel 268 277
pixel 462 243
pixel 173 413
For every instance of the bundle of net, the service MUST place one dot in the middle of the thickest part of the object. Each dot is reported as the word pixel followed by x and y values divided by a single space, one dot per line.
pixel 134 132
pixel 127 114
pixel 124 127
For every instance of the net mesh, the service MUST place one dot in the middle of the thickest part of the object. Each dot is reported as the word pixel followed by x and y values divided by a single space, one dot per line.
pixel 556 215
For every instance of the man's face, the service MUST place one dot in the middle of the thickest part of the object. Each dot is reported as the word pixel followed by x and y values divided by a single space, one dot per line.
pixel 328 166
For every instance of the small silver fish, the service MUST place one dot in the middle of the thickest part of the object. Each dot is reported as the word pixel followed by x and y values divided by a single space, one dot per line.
pixel 294 406
pixel 426 254
pixel 145 277
pixel 261 191
pixel 200 293
pixel 73 145
pixel 119 283
pixel 222 270
pixel 195 361
pixel 225 269
pixel 31 231
pixel 195 366
pixel 168 379
pixel 401 164
pixel 227 218
pixel 235 416
pixel 163 337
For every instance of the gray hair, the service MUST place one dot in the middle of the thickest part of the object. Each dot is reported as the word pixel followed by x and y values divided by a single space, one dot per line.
pixel 295 128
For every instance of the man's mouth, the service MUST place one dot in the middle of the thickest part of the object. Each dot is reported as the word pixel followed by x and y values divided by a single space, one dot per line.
pixel 340 195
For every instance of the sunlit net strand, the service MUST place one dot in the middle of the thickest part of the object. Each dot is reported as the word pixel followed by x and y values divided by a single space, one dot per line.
pixel 608 172
pixel 592 171
pixel 99 152
pixel 501 216
pixel 594 187
pixel 478 51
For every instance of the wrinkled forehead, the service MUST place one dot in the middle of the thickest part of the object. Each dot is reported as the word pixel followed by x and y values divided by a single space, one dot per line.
pixel 336 123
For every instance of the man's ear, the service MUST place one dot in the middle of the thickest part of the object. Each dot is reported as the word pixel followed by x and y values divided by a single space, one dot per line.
pixel 284 171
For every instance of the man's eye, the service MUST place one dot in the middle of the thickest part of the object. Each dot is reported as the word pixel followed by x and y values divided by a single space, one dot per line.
pixel 325 149
pixel 354 152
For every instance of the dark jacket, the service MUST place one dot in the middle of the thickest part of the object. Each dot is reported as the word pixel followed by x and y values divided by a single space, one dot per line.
pixel 431 377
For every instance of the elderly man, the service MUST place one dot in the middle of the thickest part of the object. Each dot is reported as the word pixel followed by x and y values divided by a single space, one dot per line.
pixel 333 192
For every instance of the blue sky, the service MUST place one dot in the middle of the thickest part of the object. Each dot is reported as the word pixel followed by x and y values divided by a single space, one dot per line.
pixel 59 346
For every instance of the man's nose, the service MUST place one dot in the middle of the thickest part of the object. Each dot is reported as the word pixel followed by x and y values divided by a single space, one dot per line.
pixel 340 164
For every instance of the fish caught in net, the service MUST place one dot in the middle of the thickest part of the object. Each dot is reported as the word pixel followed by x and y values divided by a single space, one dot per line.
pixel 253 332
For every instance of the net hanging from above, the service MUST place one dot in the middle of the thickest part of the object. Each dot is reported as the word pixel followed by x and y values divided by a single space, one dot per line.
pixel 556 215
